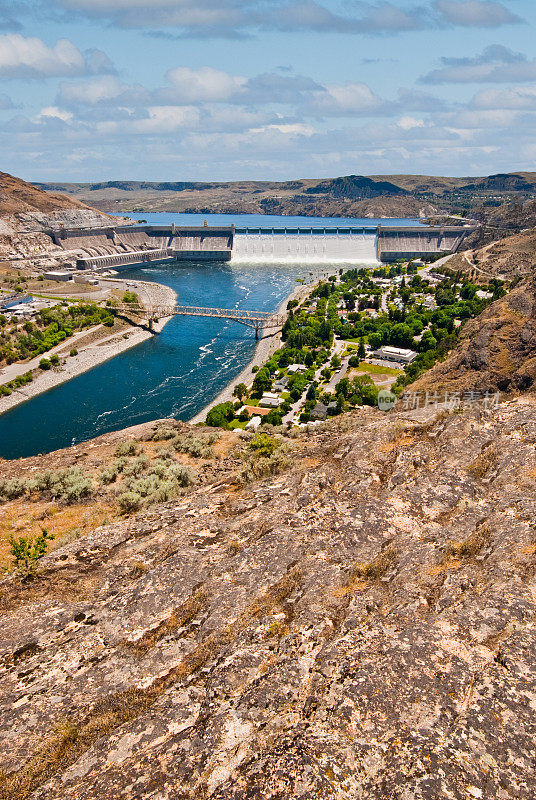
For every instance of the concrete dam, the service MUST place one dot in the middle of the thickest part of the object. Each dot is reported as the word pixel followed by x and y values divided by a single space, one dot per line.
pixel 104 248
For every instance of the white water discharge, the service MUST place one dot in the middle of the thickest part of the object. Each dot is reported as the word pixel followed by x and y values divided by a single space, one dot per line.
pixel 312 248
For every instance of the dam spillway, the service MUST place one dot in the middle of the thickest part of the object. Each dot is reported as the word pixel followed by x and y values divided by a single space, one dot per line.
pixel 306 245
pixel 117 246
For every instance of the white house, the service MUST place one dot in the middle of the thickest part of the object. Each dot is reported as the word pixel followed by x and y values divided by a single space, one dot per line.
pixel 269 400
pixel 399 354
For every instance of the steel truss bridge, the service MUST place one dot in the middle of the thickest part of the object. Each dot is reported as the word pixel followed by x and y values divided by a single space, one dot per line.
pixel 258 320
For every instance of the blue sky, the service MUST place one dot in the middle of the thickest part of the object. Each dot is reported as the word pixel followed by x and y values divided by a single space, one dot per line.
pixel 97 90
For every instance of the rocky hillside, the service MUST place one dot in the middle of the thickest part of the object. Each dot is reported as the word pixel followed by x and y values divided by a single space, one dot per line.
pixel 496 351
pixel 360 625
pixel 17 196
pixel 26 209
pixel 508 258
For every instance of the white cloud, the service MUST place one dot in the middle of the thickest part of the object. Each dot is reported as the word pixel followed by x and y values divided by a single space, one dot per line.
pixel 22 57
pixel 518 98
pixel 92 91
pixel 205 84
pixel 241 18
pixel 351 99
pixel 475 13
pixel 496 64
pixel 56 113
pixel 408 123
pixel 160 121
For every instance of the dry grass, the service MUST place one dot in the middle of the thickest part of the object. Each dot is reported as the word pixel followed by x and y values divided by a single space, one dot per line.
pixel 445 566
pixel 400 440
pixel 65 523
pixel 470 547
pixel 372 570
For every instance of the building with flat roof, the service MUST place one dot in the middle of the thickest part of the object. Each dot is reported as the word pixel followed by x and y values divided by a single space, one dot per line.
pixel 58 276
pixel 398 354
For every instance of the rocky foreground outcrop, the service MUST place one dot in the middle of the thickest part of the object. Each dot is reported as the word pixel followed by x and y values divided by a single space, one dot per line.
pixel 359 626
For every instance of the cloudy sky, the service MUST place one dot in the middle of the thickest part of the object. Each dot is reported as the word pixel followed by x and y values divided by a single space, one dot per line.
pixel 230 89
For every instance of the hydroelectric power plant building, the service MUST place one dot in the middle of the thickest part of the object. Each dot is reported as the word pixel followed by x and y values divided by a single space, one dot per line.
pixel 112 247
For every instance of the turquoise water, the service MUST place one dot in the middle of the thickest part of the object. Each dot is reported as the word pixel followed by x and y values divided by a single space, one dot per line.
pixel 175 373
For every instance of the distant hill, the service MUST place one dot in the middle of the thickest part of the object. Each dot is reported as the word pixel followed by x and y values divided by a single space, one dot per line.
pixel 356 187
pixel 351 195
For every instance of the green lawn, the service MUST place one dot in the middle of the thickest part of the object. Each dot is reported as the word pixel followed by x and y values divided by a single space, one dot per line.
pixel 375 369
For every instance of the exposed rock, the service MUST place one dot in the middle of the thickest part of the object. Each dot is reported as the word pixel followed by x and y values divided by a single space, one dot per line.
pixel 361 626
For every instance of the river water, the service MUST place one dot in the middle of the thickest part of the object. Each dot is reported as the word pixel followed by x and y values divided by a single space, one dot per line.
pixel 173 374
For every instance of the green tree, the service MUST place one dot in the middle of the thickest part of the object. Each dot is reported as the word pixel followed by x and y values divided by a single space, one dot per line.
pixel 361 352
pixel 263 381
pixel 240 390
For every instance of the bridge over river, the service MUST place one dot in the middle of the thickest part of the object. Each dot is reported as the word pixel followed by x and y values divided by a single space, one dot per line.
pixel 258 320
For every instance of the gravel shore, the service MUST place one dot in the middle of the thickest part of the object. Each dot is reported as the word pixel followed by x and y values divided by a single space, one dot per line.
pixel 92 354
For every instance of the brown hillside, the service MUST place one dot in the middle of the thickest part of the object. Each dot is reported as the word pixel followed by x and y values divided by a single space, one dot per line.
pixel 361 625
pixel 18 196
pixel 507 258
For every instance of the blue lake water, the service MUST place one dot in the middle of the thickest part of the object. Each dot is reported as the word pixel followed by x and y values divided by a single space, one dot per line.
pixel 177 372
pixel 261 220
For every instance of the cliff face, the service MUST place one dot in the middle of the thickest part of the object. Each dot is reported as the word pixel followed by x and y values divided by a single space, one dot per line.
pixel 25 210
pixel 359 626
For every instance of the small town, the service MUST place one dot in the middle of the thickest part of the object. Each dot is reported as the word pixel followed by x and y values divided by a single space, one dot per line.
pixel 356 334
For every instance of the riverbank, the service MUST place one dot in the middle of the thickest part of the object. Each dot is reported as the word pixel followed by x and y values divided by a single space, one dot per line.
pixel 101 348
pixel 265 348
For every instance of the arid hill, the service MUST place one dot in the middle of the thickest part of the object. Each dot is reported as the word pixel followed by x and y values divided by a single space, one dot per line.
pixel 496 351
pixel 422 196
pixel 18 196
pixel 508 258
pixel 26 209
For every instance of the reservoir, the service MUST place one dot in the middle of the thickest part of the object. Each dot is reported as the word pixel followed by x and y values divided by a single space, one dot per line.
pixel 175 373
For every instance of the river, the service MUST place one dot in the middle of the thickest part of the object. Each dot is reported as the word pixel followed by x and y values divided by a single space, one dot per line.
pixel 175 373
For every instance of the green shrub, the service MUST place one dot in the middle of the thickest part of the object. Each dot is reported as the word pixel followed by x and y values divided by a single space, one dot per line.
pixel 129 447
pixel 164 432
pixel 28 552
pixel 129 502
pixel 54 360
pixel 197 446
pixel 264 445
pixel 257 468
pixel 165 454
pixel 136 466
pixel 69 485
pixel 73 352
pixel 44 364
pixel 11 489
